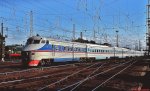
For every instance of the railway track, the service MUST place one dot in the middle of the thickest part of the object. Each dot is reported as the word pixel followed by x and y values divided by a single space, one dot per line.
pixel 15 75
pixel 51 78
pixel 9 78
pixel 75 85
pixel 22 82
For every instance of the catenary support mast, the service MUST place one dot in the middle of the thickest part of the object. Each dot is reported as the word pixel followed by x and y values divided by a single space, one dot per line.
pixel 148 27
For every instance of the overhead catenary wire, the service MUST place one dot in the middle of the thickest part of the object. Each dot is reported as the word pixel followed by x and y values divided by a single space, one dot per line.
pixel 67 18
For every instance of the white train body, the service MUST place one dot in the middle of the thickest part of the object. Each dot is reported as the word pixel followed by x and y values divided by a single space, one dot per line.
pixel 38 50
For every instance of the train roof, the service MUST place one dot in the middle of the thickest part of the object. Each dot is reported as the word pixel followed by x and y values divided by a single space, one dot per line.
pixel 63 42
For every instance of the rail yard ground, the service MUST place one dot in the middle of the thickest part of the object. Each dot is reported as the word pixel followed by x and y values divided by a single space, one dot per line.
pixel 132 74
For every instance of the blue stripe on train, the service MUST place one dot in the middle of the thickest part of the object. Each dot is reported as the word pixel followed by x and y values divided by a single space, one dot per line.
pixel 49 47
pixel 46 47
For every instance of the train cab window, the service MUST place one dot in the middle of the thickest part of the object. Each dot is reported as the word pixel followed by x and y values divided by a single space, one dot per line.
pixel 29 41
pixel 36 41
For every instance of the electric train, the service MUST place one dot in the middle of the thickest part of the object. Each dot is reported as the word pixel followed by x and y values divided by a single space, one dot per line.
pixel 43 51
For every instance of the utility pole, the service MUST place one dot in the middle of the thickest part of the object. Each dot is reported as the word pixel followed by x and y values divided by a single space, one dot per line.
pixel 2 44
pixel 31 23
pixel 2 28
pixel 117 39
pixel 25 24
pixel 94 34
pixel 139 45
pixel 73 32
pixel 81 35
pixel 148 27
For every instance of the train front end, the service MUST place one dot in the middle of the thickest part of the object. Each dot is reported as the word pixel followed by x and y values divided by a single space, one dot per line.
pixel 29 55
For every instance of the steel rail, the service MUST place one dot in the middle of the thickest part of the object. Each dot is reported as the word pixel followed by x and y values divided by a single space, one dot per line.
pixel 39 77
pixel 6 73
pixel 91 77
pixel 67 76
pixel 113 76
pixel 12 81
pixel 79 82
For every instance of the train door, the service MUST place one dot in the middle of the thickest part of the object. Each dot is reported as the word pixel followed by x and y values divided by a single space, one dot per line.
pixel 73 52
pixel 53 50
pixel 86 52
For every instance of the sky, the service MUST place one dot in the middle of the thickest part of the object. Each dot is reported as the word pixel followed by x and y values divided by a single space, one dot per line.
pixel 55 18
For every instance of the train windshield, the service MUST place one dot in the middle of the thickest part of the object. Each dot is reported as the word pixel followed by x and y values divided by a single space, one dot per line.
pixel 32 41
pixel 29 41
pixel 36 41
